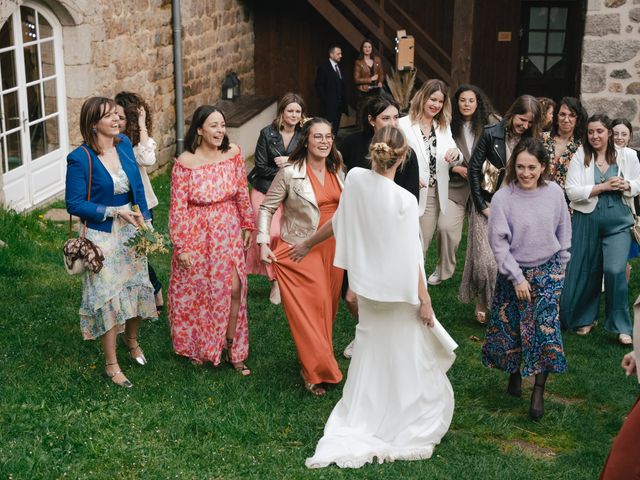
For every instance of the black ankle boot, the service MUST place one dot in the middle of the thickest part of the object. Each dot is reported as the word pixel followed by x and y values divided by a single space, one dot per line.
pixel 514 388
pixel 536 410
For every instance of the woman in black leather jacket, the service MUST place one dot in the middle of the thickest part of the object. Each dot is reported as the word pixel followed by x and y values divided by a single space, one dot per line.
pixel 495 146
pixel 275 143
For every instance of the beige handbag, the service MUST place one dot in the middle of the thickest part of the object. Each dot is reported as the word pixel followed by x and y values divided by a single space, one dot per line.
pixel 490 177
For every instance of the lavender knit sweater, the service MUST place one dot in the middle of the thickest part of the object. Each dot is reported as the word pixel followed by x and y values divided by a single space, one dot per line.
pixel 528 227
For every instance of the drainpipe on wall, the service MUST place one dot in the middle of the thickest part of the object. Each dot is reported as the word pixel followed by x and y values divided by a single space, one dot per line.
pixel 177 74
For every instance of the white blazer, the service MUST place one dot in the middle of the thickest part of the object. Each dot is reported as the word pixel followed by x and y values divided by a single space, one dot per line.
pixel 580 179
pixel 444 141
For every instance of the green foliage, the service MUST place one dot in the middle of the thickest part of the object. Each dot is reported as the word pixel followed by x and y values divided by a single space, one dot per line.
pixel 60 417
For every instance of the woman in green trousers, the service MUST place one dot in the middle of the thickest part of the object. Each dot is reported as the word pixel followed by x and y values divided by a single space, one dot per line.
pixel 601 183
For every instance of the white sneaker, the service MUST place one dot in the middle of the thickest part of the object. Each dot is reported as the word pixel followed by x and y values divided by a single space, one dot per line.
pixel 434 278
pixel 348 352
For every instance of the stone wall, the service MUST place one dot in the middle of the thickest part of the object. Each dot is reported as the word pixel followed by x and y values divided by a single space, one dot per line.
pixel 117 45
pixel 611 60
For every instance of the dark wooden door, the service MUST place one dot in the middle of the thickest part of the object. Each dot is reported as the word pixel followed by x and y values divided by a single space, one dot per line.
pixel 550 48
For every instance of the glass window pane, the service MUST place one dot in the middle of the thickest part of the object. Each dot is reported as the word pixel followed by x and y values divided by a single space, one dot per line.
pixel 44 27
pixel 50 97
pixel 558 18
pixel 44 137
pixel 11 112
pixel 555 67
pixel 37 137
pixel 14 151
pixel 34 101
pixel 538 18
pixel 8 68
pixel 556 42
pixel 6 34
pixel 52 134
pixel 537 42
pixel 28 24
pixel 31 66
pixel 47 60
pixel 536 63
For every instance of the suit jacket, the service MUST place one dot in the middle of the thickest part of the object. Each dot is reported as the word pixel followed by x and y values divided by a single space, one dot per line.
pixel 331 91
pixel 102 195
pixel 362 73
pixel 444 141
pixel 270 145
pixel 292 188
pixel 492 147
pixel 355 149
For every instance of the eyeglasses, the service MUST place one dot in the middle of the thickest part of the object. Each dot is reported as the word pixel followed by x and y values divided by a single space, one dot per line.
pixel 318 137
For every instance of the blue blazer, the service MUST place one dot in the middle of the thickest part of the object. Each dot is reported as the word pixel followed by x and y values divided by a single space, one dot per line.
pixel 102 195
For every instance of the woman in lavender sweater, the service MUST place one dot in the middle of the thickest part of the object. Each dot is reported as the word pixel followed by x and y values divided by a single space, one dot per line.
pixel 530 235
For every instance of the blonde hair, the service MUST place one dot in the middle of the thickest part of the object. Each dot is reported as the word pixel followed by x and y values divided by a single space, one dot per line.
pixel 387 146
pixel 416 111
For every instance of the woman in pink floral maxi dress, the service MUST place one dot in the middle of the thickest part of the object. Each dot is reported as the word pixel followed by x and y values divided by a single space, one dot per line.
pixel 210 223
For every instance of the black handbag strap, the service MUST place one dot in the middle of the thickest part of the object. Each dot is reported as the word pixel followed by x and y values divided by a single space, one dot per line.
pixel 84 230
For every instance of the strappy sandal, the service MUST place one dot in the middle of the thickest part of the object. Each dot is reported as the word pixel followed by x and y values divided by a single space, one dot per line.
pixel 125 383
pixel 139 359
pixel 239 367
pixel 313 388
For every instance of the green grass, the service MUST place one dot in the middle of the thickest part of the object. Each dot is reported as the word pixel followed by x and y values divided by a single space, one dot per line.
pixel 60 417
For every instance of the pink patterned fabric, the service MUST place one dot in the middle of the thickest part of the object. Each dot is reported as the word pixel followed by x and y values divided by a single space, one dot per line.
pixel 209 208
pixel 254 265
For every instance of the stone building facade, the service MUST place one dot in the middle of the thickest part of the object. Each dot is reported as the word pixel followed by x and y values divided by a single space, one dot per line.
pixel 611 60
pixel 128 45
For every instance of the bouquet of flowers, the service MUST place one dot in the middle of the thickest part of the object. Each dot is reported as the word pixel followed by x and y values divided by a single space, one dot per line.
pixel 147 240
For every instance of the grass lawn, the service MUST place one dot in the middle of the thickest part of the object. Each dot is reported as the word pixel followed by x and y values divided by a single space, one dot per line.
pixel 60 417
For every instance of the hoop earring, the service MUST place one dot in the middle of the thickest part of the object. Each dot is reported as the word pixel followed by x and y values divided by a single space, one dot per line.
pixel 94 130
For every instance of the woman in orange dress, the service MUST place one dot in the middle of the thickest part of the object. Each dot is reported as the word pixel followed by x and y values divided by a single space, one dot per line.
pixel 309 188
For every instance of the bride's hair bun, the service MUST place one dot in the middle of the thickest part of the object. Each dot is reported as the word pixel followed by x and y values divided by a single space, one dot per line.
pixel 387 146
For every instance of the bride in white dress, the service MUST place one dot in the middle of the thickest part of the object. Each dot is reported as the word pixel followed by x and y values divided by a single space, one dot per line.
pixel 397 401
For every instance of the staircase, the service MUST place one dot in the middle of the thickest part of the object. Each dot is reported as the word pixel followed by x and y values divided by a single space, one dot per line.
pixel 379 20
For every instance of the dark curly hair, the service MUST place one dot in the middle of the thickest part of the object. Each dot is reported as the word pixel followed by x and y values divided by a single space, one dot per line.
pixel 578 110
pixel 479 119
pixel 130 102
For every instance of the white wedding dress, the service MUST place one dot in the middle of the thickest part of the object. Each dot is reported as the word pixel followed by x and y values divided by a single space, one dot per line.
pixel 397 401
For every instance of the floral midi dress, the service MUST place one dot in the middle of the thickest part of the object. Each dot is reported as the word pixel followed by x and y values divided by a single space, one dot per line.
pixel 121 290
pixel 209 208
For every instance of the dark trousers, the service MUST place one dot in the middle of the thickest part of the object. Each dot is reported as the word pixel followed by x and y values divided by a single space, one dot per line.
pixel 153 278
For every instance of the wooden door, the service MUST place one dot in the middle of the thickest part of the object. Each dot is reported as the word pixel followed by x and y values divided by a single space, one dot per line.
pixel 550 48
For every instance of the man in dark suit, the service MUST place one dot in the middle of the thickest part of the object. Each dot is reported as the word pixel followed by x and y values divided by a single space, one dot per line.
pixel 330 88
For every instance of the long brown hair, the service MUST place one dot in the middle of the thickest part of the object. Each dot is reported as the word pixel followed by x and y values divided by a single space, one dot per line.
pixel 299 154
pixel 610 152
pixel 93 109
pixel 130 102
pixel 521 106
pixel 416 111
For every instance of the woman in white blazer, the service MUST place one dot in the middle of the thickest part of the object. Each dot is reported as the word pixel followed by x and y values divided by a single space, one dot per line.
pixel 429 135
pixel 601 183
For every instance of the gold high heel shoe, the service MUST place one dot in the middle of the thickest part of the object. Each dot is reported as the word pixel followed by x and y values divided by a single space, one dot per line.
pixel 125 383
pixel 139 359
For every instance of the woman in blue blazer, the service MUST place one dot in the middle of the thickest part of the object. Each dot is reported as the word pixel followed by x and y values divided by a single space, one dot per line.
pixel 117 297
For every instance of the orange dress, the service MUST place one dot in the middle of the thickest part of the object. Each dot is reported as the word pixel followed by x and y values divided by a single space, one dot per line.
pixel 310 291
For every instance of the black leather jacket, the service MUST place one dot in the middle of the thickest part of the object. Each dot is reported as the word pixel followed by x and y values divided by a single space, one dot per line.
pixel 270 145
pixel 491 146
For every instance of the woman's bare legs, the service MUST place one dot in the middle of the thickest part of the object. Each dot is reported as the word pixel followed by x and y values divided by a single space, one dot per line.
pixel 112 369
pixel 236 299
